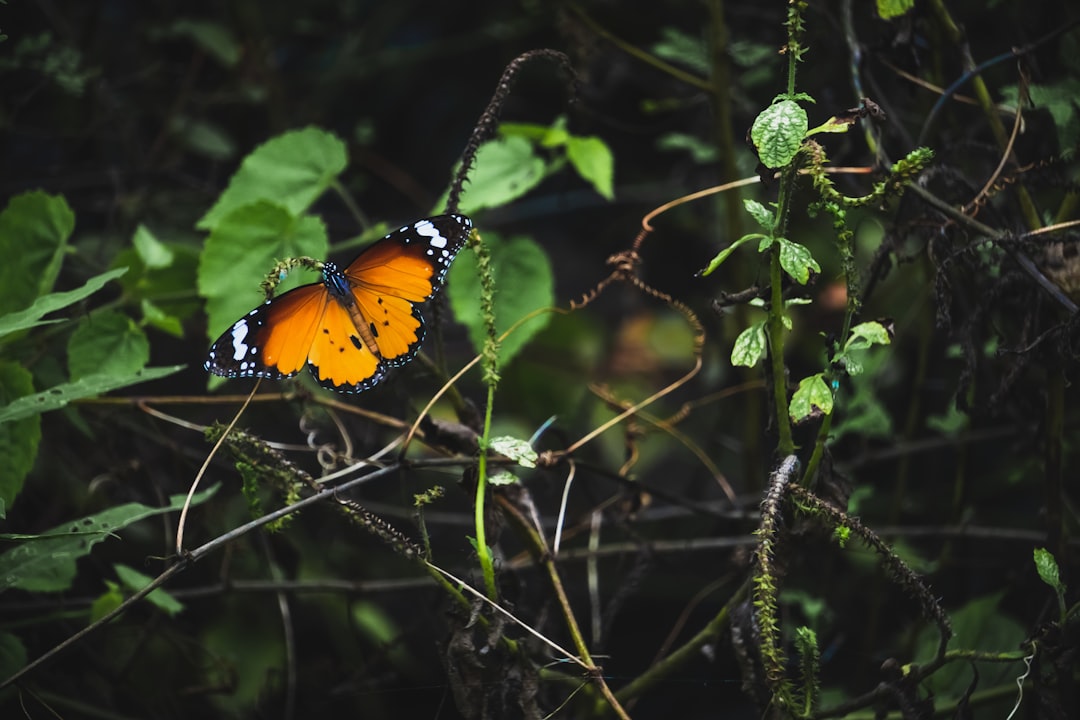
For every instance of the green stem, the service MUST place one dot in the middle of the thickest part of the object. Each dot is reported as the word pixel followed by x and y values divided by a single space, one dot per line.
pixel 785 445
pixel 483 553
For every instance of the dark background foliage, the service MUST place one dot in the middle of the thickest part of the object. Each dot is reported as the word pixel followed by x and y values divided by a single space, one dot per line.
pixel 139 112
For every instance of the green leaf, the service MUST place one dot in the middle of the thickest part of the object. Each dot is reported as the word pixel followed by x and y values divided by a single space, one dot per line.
pixel 524 282
pixel 135 581
pixel 19 438
pixel 60 395
pixel 154 253
pixel 702 152
pixel 749 346
pixel 812 394
pixel 778 132
pixel 726 252
pixel 242 248
pixel 867 334
pixel 797 260
pixel 291 170
pixel 31 316
pixel 592 159
pixel 889 9
pixel 216 39
pixel 105 603
pixel 503 477
pixel 505 170
pixel 107 343
pixel 46 562
pixel 12 655
pixel 520 451
pixel 761 214
pixel 34 230
pixel 1048 569
pixel 683 49
pixel 155 316
pixel 533 132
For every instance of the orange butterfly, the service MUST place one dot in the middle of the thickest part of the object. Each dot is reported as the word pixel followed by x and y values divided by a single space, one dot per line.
pixel 355 325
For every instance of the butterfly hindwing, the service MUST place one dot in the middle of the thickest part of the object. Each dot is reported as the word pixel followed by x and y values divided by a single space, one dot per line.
pixel 355 325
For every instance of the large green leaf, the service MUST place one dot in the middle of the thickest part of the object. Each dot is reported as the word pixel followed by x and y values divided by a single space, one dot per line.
pixel 778 132
pixel 31 316
pixel 292 170
pixel 242 248
pixel 505 170
pixel 46 562
pixel 107 343
pixel 524 282
pixel 19 438
pixel 60 395
pixel 34 230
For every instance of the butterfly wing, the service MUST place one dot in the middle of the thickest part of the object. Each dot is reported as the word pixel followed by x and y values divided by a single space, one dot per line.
pixel 273 340
pixel 393 279
pixel 338 357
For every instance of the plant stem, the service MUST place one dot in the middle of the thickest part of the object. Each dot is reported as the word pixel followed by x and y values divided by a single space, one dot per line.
pixel 483 553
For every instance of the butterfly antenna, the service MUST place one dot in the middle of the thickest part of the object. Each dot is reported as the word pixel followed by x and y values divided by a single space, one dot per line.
pixel 489 119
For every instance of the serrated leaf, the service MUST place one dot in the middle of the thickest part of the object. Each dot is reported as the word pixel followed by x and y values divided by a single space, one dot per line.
pixel 749 346
pixel 46 562
pixel 135 581
pixel 778 132
pixel 34 230
pixel 153 253
pixel 291 170
pixel 242 248
pixel 59 396
pixel 19 438
pixel 1048 569
pixel 812 393
pixel 524 282
pixel 592 159
pixel 31 316
pixel 505 170
pixel 108 343
pixel 520 451
pixel 797 260
pixel 725 253
pixel 761 214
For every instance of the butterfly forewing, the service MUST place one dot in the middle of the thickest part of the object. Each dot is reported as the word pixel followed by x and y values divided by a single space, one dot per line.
pixel 321 326
pixel 272 340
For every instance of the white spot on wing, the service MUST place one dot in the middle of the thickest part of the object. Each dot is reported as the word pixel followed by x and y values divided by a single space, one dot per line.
pixel 239 332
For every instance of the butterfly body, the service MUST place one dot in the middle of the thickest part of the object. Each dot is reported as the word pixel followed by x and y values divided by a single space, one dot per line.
pixel 356 324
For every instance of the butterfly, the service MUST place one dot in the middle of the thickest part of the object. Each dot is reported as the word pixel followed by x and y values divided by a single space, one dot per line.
pixel 355 325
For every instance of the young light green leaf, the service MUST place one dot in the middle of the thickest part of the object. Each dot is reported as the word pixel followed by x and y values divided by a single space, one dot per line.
pixel 156 317
pixel 726 252
pixel 34 230
pixel 520 451
pixel 1048 569
pixel 154 253
pixel 135 581
pixel 19 438
pixel 505 170
pixel 60 395
pixel 594 162
pixel 812 394
pixel 749 346
pixel 242 248
pixel 108 343
pixel 31 316
pixel 797 260
pixel 46 563
pixel 524 282
pixel 761 214
pixel 778 132
pixel 867 334
pixel 291 170
pixel 889 9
